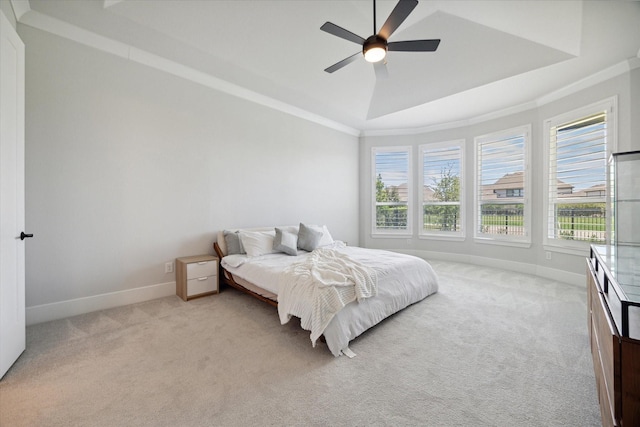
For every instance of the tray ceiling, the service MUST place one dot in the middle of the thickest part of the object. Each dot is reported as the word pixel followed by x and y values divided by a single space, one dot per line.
pixel 494 54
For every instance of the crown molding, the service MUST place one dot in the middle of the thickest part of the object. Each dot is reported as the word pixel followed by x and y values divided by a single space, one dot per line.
pixel 454 125
pixel 585 83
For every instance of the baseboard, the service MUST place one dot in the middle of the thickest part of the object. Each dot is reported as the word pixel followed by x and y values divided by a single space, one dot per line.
pixel 59 310
pixel 562 276
pixel 521 267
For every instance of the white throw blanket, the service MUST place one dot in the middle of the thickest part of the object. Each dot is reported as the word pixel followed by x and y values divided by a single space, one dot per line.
pixel 331 280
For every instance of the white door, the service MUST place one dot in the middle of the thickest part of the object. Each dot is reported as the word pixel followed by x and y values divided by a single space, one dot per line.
pixel 12 295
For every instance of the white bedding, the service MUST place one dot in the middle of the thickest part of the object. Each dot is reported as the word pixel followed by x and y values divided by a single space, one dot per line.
pixel 318 287
pixel 401 281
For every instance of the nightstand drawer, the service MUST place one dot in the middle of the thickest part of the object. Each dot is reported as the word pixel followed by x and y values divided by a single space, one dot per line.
pixel 202 285
pixel 196 276
pixel 196 270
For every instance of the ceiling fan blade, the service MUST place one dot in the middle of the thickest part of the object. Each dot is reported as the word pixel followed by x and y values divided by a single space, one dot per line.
pixel 380 68
pixel 345 61
pixel 342 33
pixel 414 46
pixel 397 17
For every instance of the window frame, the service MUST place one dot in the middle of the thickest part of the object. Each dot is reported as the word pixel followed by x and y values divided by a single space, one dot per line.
pixel 610 105
pixel 442 235
pixel 499 239
pixel 393 233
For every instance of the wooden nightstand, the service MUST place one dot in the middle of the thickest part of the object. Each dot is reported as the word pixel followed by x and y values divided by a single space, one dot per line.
pixel 196 276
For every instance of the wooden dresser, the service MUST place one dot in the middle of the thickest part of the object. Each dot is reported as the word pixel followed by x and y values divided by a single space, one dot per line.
pixel 613 282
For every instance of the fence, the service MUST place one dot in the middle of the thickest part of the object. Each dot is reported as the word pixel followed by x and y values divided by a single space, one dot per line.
pixel 390 217
pixel 581 223
pixel 441 218
pixel 505 219
pixel 572 222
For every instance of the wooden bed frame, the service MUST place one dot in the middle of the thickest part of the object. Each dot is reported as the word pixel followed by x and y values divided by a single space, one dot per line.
pixel 227 278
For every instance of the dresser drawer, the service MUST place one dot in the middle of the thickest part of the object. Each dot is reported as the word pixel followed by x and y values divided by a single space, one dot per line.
pixel 196 270
pixel 202 285
pixel 608 352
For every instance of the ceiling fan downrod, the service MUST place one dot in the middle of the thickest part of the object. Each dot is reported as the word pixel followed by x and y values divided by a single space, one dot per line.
pixel 375 31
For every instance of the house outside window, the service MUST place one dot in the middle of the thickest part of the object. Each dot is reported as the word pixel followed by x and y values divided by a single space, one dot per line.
pixel 502 208
pixel 392 191
pixel 578 145
pixel 442 167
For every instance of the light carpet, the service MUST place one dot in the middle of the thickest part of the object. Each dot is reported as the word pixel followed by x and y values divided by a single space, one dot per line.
pixel 491 348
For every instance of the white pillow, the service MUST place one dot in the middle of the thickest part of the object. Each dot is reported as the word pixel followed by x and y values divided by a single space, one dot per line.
pixel 234 261
pixel 326 238
pixel 257 243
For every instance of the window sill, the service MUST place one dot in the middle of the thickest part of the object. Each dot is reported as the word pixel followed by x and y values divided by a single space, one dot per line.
pixel 512 243
pixel 457 238
pixel 391 235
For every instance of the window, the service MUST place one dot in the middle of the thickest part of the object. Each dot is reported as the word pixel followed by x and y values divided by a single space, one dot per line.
pixel 502 208
pixel 392 191
pixel 441 193
pixel 577 147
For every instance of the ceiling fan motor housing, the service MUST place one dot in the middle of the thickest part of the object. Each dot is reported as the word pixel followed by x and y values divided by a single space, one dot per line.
pixel 374 43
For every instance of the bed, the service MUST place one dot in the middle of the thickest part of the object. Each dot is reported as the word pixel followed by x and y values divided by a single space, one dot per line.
pixel 337 291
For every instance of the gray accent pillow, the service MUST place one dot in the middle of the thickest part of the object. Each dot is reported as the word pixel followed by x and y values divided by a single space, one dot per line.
pixel 285 241
pixel 234 244
pixel 308 238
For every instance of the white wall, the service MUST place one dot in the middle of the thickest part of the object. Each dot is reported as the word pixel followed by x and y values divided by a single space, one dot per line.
pixel 128 167
pixel 563 266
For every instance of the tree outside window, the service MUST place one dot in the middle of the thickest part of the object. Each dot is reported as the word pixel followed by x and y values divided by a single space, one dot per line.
pixel 441 189
pixel 392 212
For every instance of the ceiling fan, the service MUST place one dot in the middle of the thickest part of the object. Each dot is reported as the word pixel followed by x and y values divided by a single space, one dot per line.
pixel 376 46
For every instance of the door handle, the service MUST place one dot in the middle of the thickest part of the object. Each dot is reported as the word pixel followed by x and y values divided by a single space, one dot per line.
pixel 23 235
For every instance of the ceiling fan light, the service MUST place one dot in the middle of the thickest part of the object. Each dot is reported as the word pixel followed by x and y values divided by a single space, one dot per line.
pixel 374 49
pixel 375 53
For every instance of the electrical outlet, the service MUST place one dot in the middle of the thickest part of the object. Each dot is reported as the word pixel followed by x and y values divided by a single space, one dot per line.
pixel 548 255
pixel 168 267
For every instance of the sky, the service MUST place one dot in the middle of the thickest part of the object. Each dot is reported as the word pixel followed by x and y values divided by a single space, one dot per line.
pixel 581 159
